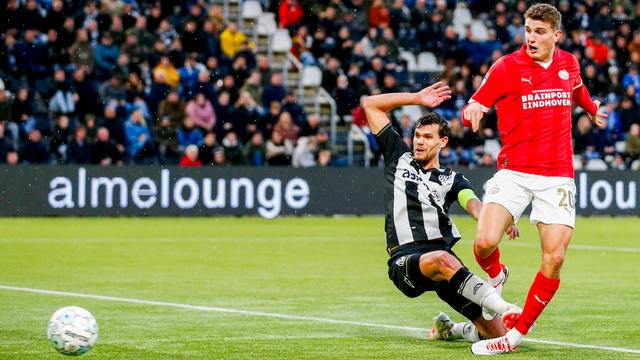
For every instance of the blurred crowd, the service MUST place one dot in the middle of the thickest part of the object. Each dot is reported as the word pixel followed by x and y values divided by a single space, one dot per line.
pixel 171 82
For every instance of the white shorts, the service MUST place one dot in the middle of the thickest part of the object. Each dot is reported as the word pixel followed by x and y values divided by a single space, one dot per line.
pixel 552 198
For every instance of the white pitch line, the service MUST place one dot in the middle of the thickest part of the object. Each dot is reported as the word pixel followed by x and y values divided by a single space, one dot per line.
pixel 571 246
pixel 284 316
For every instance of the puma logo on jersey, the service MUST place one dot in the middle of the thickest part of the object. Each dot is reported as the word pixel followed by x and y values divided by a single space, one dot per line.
pixel 527 80
pixel 544 303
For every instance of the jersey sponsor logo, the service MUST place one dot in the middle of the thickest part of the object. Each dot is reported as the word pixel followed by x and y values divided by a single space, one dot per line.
pixel 563 74
pixel 400 262
pixel 527 80
pixel 407 174
pixel 443 178
pixel 546 98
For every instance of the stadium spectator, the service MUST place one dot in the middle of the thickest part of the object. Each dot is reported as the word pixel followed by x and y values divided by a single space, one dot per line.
pixel 5 107
pixel 378 15
pixel 188 134
pixel 275 90
pixel 290 105
pixel 35 151
pixel 5 143
pixel 253 86
pixel 290 13
pixel 189 73
pixel 255 150
pixel 174 108
pixel 206 150
pixel 287 128
pixel 632 144
pixel 166 138
pixel 79 150
pixel 190 157
pixel 12 158
pixel 244 117
pixel 105 151
pixel 201 112
pixel 233 151
pixel 60 139
pixel 231 39
pixel 106 57
pixel 139 145
pixel 278 150
pixel 304 154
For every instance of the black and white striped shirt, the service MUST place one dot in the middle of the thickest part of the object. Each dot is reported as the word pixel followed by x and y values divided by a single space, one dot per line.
pixel 417 200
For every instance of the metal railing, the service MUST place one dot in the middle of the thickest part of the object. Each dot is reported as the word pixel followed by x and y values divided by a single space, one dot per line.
pixel 356 133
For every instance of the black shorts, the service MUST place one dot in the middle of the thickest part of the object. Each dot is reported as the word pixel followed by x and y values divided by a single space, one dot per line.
pixel 404 271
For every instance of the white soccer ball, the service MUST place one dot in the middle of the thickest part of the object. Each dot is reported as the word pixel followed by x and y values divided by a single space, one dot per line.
pixel 72 331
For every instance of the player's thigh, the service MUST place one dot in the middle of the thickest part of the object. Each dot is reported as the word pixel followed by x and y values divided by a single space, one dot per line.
pixel 505 189
pixel 405 273
pixel 553 201
pixel 492 223
pixel 439 265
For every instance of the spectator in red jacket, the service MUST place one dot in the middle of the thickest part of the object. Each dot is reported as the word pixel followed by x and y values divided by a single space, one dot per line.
pixel 378 15
pixel 290 13
pixel 190 157
pixel 600 49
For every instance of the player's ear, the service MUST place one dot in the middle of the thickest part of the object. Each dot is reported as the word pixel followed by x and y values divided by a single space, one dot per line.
pixel 444 141
pixel 557 35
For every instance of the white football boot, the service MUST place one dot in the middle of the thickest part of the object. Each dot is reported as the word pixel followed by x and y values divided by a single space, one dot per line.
pixel 501 345
pixel 442 325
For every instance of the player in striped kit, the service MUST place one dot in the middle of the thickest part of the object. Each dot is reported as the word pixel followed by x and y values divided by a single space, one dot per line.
pixel 418 229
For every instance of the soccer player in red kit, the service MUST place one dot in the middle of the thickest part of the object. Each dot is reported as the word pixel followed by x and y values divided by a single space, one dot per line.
pixel 533 90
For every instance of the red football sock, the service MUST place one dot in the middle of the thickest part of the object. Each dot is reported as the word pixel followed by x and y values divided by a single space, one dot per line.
pixel 540 293
pixel 491 265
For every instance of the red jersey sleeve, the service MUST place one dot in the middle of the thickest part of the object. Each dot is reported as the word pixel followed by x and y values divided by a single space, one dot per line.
pixel 581 95
pixel 493 85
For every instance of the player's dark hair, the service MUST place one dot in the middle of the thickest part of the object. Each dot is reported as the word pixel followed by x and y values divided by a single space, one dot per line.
pixel 545 12
pixel 433 118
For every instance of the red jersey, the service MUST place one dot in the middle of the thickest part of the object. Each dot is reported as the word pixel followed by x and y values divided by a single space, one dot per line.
pixel 534 111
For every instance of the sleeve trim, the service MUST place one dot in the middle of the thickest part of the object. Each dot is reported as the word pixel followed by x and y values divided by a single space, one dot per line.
pixel 383 129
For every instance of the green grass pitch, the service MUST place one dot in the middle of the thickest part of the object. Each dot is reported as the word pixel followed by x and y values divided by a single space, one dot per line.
pixel 329 268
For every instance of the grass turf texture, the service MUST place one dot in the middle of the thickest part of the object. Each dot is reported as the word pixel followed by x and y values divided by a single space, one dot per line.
pixel 321 267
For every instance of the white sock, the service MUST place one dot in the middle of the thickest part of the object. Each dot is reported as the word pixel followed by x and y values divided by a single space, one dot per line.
pixel 483 294
pixel 465 330
pixel 496 280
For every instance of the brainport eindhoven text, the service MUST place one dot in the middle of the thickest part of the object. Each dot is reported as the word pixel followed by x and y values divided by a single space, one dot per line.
pixel 181 192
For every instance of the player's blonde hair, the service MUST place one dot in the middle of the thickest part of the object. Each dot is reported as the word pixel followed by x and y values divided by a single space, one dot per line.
pixel 545 12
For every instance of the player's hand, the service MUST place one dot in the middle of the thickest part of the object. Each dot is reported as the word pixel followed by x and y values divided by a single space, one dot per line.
pixel 599 119
pixel 473 113
pixel 512 231
pixel 434 95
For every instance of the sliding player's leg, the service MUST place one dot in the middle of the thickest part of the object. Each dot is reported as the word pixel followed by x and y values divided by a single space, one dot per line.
pixel 443 266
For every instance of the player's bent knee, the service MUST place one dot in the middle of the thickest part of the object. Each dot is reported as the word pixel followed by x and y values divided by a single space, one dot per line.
pixel 438 262
pixel 485 242
pixel 553 261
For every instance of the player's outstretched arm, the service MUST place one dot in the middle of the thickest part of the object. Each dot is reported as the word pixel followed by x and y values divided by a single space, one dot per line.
pixel 376 106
